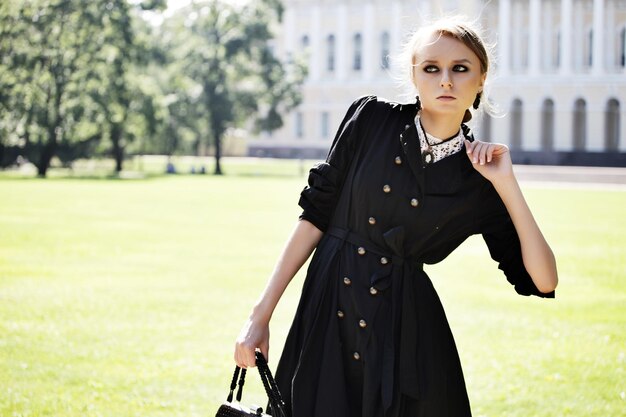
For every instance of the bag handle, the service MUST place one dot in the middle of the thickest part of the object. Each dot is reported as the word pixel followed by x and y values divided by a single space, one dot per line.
pixel 233 384
pixel 276 402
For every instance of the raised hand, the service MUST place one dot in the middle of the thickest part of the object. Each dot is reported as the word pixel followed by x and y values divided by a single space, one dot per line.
pixel 492 160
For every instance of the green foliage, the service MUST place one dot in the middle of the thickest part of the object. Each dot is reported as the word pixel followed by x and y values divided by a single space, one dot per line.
pixel 124 298
pixel 81 79
pixel 226 51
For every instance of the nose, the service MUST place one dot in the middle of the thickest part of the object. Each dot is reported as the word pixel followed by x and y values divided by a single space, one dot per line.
pixel 445 80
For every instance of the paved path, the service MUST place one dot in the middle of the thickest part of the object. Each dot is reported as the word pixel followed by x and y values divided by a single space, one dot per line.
pixel 614 178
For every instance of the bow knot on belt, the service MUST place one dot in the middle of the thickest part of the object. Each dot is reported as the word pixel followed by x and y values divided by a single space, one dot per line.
pixel 401 344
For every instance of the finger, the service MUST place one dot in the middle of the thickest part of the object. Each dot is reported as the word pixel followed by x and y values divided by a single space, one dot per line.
pixel 265 350
pixel 238 358
pixel 468 147
pixel 244 356
pixel 490 152
pixel 483 153
pixel 250 358
pixel 476 152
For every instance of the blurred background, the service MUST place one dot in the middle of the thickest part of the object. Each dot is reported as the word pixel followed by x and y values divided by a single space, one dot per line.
pixel 125 274
pixel 119 80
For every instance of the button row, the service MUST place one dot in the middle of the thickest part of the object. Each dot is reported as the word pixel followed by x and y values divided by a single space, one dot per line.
pixel 347 281
pixel 362 322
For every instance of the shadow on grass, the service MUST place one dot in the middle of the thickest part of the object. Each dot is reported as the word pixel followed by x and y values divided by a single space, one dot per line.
pixel 136 176
pixel 16 176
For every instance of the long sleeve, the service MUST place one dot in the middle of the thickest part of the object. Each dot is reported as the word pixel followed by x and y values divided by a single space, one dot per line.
pixel 503 243
pixel 320 196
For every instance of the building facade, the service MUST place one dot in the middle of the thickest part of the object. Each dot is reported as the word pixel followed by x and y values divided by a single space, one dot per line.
pixel 559 76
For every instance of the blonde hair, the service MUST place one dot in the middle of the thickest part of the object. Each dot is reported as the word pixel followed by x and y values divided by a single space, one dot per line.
pixel 456 27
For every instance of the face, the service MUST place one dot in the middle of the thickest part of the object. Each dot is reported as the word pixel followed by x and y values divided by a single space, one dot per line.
pixel 447 75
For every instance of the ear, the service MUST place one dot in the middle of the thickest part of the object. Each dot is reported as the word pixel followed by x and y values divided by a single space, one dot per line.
pixel 483 78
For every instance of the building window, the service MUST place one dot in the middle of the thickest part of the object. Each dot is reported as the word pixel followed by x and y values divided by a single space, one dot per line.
pixel 516 132
pixel 580 125
pixel 611 125
pixel 547 125
pixel 304 42
pixel 589 45
pixel 384 50
pixel 325 123
pixel 299 125
pixel 330 53
pixel 622 48
pixel 358 52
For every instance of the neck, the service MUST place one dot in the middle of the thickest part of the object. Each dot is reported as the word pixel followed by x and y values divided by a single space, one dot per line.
pixel 440 126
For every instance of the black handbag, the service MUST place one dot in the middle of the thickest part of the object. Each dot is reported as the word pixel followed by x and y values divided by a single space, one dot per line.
pixel 276 405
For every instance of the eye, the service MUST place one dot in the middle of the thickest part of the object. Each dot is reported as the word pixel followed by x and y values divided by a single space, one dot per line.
pixel 460 68
pixel 431 68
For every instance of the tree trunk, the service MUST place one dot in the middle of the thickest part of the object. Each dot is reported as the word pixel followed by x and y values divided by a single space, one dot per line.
pixel 47 152
pixel 118 150
pixel 217 136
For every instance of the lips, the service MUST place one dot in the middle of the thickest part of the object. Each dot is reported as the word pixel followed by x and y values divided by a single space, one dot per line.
pixel 446 98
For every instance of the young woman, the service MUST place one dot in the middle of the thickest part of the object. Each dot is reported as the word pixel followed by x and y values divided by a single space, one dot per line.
pixel 403 185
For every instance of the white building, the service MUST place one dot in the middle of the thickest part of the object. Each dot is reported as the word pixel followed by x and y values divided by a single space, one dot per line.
pixel 559 79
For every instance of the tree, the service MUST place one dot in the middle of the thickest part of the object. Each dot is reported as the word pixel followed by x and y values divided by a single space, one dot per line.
pixel 119 93
pixel 53 53
pixel 227 52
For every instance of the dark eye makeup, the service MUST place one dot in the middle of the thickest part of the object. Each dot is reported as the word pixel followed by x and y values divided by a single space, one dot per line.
pixel 456 68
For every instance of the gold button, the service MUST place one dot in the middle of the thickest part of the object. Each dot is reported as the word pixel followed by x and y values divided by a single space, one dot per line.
pixel 361 250
pixel 414 202
pixel 384 260
pixel 373 291
pixel 398 160
pixel 347 281
pixel 356 356
pixel 387 188
pixel 340 314
pixel 372 221
pixel 362 324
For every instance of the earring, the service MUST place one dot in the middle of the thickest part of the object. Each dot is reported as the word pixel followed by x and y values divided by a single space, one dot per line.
pixel 477 101
pixel 418 103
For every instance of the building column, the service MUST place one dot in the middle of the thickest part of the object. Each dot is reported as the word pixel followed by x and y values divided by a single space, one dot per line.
pixel 565 47
pixel 534 44
pixel 597 63
pixel 289 36
pixel 610 59
pixel 317 43
pixel 531 120
pixel 343 52
pixel 395 35
pixel 369 34
pixel 504 37
pixel 517 62
pixel 563 123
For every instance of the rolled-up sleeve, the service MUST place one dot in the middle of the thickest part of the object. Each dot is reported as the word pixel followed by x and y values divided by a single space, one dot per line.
pixel 503 242
pixel 319 198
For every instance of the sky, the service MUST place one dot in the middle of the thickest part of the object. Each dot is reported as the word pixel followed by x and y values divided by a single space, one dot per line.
pixel 172 6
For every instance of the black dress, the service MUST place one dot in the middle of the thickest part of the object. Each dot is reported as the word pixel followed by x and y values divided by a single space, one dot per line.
pixel 370 337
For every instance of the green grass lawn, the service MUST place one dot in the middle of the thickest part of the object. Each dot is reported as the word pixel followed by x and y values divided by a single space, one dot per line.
pixel 124 297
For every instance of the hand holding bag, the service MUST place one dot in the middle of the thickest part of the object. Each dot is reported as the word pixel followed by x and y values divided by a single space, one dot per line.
pixel 275 401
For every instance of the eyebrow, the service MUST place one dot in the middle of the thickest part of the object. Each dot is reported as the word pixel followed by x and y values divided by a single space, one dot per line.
pixel 457 61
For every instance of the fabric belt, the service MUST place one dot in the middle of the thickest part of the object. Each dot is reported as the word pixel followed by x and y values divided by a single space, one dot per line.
pixel 401 344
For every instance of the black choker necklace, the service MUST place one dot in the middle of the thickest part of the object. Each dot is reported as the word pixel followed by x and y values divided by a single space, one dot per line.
pixel 428 154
